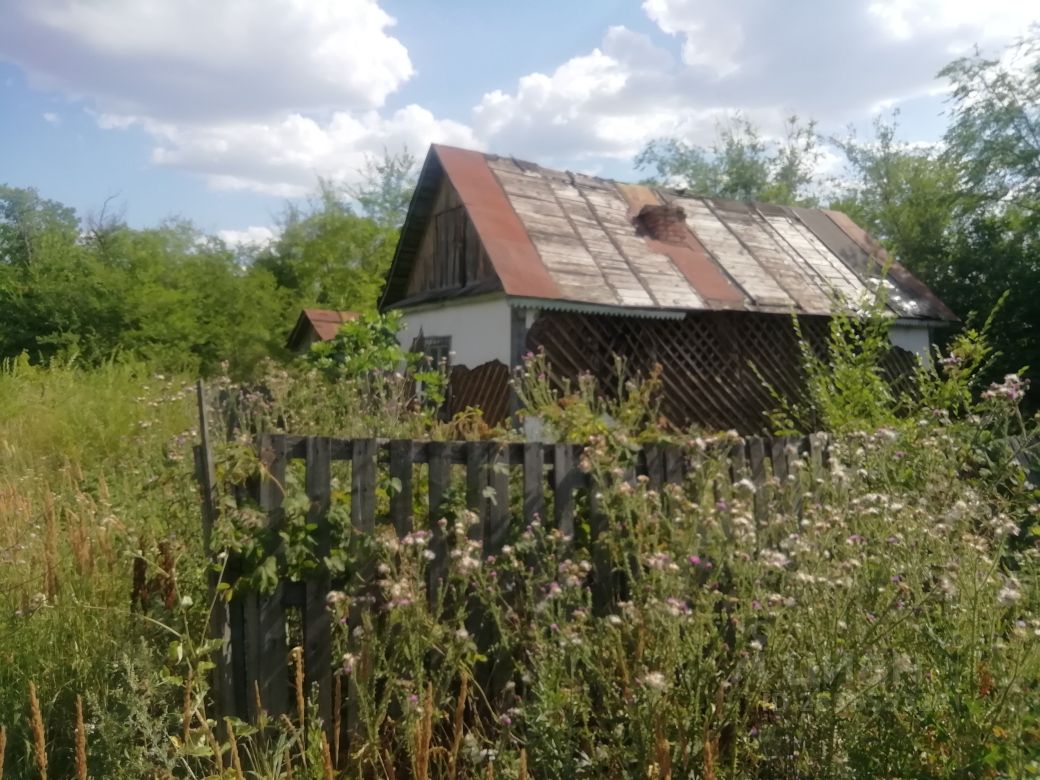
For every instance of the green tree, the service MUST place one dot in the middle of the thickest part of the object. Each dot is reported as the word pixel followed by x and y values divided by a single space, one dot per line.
pixel 904 195
pixel 327 255
pixel 386 188
pixel 994 134
pixel 741 164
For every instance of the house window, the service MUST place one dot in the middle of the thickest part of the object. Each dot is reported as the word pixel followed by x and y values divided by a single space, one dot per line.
pixel 437 348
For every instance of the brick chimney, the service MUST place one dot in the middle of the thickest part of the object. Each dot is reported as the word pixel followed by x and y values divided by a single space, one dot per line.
pixel 663 223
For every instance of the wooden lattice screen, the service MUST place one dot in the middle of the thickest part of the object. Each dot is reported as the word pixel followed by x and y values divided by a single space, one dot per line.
pixel 706 359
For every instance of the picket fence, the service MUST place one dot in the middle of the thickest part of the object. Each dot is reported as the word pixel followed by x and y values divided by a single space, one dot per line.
pixel 253 663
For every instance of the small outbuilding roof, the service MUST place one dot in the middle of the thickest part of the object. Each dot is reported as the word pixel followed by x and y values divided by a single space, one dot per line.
pixel 324 323
pixel 565 238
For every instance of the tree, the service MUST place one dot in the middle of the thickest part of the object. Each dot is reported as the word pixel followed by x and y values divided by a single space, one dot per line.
pixel 903 195
pixel 994 134
pixel 741 164
pixel 386 188
pixel 327 255
pixel 330 255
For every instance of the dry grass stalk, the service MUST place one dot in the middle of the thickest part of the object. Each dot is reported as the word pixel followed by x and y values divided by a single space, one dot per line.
pixel 287 758
pixel 214 746
pixel 186 709
pixel 337 717
pixel 3 749
pixel 663 754
pixel 301 700
pixel 81 741
pixel 326 758
pixel 456 741
pixel 50 548
pixel 521 773
pixel 423 736
pixel 39 737
pixel 236 761
pixel 388 764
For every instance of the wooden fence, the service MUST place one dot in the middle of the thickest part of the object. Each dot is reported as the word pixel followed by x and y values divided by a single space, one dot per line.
pixel 253 663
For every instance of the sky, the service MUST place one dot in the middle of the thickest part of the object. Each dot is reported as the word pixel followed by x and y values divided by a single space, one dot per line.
pixel 220 111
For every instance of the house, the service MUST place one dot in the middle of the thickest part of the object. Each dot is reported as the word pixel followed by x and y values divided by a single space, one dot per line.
pixel 314 325
pixel 498 257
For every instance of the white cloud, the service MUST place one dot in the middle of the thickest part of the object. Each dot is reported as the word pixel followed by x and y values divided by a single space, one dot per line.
pixel 834 61
pixel 51 118
pixel 260 95
pixel 204 59
pixel 968 20
pixel 285 158
pixel 254 235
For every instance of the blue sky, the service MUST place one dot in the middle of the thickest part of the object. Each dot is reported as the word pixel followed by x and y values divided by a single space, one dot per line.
pixel 220 111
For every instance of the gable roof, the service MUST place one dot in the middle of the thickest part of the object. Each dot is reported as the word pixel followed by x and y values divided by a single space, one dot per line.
pixel 556 236
pixel 324 322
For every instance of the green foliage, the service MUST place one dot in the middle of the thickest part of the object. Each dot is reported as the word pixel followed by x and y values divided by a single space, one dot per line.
pixel 994 136
pixel 386 188
pixel 741 165
pixel 366 344
pixel 327 255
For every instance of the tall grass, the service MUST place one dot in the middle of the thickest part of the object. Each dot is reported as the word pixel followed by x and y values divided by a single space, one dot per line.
pixel 93 473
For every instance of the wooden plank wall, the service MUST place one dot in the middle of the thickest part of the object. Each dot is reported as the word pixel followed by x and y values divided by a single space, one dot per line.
pixel 255 657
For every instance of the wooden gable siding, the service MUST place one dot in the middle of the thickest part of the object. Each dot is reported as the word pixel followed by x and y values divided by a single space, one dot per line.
pixel 451 255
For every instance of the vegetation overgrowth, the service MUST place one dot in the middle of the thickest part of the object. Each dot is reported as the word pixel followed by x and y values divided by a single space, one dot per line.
pixel 878 618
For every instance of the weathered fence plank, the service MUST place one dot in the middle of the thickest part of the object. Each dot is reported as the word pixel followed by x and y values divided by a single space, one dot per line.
pixel 566 478
pixel 439 464
pixel 267 666
pixel 534 495
pixel 497 529
pixel 317 621
pixel 401 470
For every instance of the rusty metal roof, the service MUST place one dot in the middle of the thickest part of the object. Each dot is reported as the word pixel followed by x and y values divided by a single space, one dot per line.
pixel 567 237
pixel 324 322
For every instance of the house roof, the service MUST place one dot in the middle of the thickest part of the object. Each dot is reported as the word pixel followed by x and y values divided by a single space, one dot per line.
pixel 324 322
pixel 568 238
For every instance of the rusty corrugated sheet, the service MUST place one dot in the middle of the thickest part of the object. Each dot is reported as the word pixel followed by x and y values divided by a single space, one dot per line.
pixel 485 387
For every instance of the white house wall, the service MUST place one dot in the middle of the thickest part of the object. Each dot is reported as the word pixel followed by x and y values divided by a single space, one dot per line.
pixel 913 338
pixel 479 330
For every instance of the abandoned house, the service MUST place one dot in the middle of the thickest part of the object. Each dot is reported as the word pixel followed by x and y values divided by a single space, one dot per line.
pixel 315 325
pixel 499 257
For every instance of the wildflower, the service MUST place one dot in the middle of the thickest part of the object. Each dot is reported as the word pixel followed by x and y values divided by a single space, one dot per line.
pixel 349 662
pixel 654 681
pixel 1009 594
